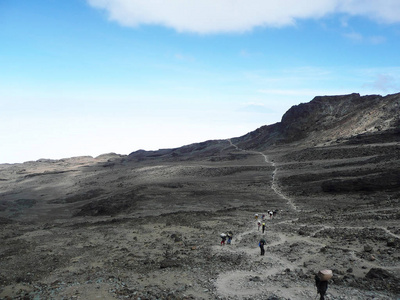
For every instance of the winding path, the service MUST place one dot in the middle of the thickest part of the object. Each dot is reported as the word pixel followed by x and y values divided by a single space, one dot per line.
pixel 274 184
pixel 259 279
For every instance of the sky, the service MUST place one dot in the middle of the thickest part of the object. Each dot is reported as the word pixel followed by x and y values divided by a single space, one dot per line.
pixel 88 77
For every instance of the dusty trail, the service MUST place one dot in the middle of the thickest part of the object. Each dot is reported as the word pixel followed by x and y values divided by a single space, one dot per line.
pixel 259 280
pixel 241 283
pixel 274 185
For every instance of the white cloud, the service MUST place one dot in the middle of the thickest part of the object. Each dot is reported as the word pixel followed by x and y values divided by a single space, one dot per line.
pixel 249 54
pixel 245 53
pixel 212 16
pixel 377 39
pixel 383 83
pixel 184 58
pixel 359 38
pixel 344 21
pixel 255 107
pixel 386 11
pixel 354 36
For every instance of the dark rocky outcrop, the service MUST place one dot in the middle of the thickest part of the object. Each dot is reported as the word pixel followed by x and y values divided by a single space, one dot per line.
pixel 332 118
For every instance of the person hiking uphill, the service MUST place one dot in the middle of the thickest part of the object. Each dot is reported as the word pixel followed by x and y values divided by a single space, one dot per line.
pixel 321 282
pixel 230 236
pixel 263 227
pixel 223 239
pixel 261 244
pixel 259 225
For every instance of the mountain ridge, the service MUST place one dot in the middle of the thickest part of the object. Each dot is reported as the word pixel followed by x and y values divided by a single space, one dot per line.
pixel 146 225
pixel 327 119
pixel 323 120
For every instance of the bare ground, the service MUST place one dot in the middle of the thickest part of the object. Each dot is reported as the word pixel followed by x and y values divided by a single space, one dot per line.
pixel 112 228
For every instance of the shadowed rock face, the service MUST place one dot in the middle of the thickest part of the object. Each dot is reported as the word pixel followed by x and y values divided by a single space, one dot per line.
pixel 328 119
pixel 146 225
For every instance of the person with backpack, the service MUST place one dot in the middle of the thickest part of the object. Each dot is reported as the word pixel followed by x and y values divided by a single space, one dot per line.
pixel 230 236
pixel 261 244
pixel 223 239
pixel 259 225
pixel 322 286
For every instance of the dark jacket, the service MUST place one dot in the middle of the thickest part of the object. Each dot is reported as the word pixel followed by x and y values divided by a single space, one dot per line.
pixel 322 286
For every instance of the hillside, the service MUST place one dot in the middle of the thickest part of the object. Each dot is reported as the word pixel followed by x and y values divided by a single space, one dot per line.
pixel 146 225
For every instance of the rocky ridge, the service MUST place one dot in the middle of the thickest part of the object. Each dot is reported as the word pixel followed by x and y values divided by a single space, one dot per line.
pixel 146 225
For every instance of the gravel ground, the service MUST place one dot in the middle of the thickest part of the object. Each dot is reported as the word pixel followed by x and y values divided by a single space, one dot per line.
pixel 120 228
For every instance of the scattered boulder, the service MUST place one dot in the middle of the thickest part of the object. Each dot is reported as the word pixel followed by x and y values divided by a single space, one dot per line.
pixel 391 242
pixel 368 248
pixel 255 278
pixel 371 258
pixel 378 273
pixel 169 263
pixel 176 237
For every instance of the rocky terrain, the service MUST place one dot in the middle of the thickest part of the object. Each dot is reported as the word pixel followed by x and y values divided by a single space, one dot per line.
pixel 146 225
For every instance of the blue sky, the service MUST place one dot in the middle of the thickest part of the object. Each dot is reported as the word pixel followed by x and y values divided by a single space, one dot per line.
pixel 91 77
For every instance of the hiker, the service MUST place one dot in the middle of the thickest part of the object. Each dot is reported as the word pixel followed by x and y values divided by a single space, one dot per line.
pixel 256 216
pixel 223 239
pixel 321 282
pixel 230 236
pixel 263 217
pixel 274 212
pixel 259 225
pixel 263 227
pixel 270 214
pixel 261 244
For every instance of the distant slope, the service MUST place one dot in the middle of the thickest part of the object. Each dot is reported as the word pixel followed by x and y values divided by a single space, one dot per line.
pixel 332 145
pixel 328 119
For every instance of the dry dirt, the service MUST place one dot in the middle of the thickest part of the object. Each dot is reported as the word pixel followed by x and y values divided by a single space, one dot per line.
pixel 119 228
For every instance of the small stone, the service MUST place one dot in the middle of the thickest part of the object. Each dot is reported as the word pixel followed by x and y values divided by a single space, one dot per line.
pixel 367 248
pixel 378 273
pixel 371 258
pixel 390 243
pixel 255 278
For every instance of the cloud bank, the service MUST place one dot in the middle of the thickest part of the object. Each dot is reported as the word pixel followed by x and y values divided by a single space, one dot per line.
pixel 215 16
